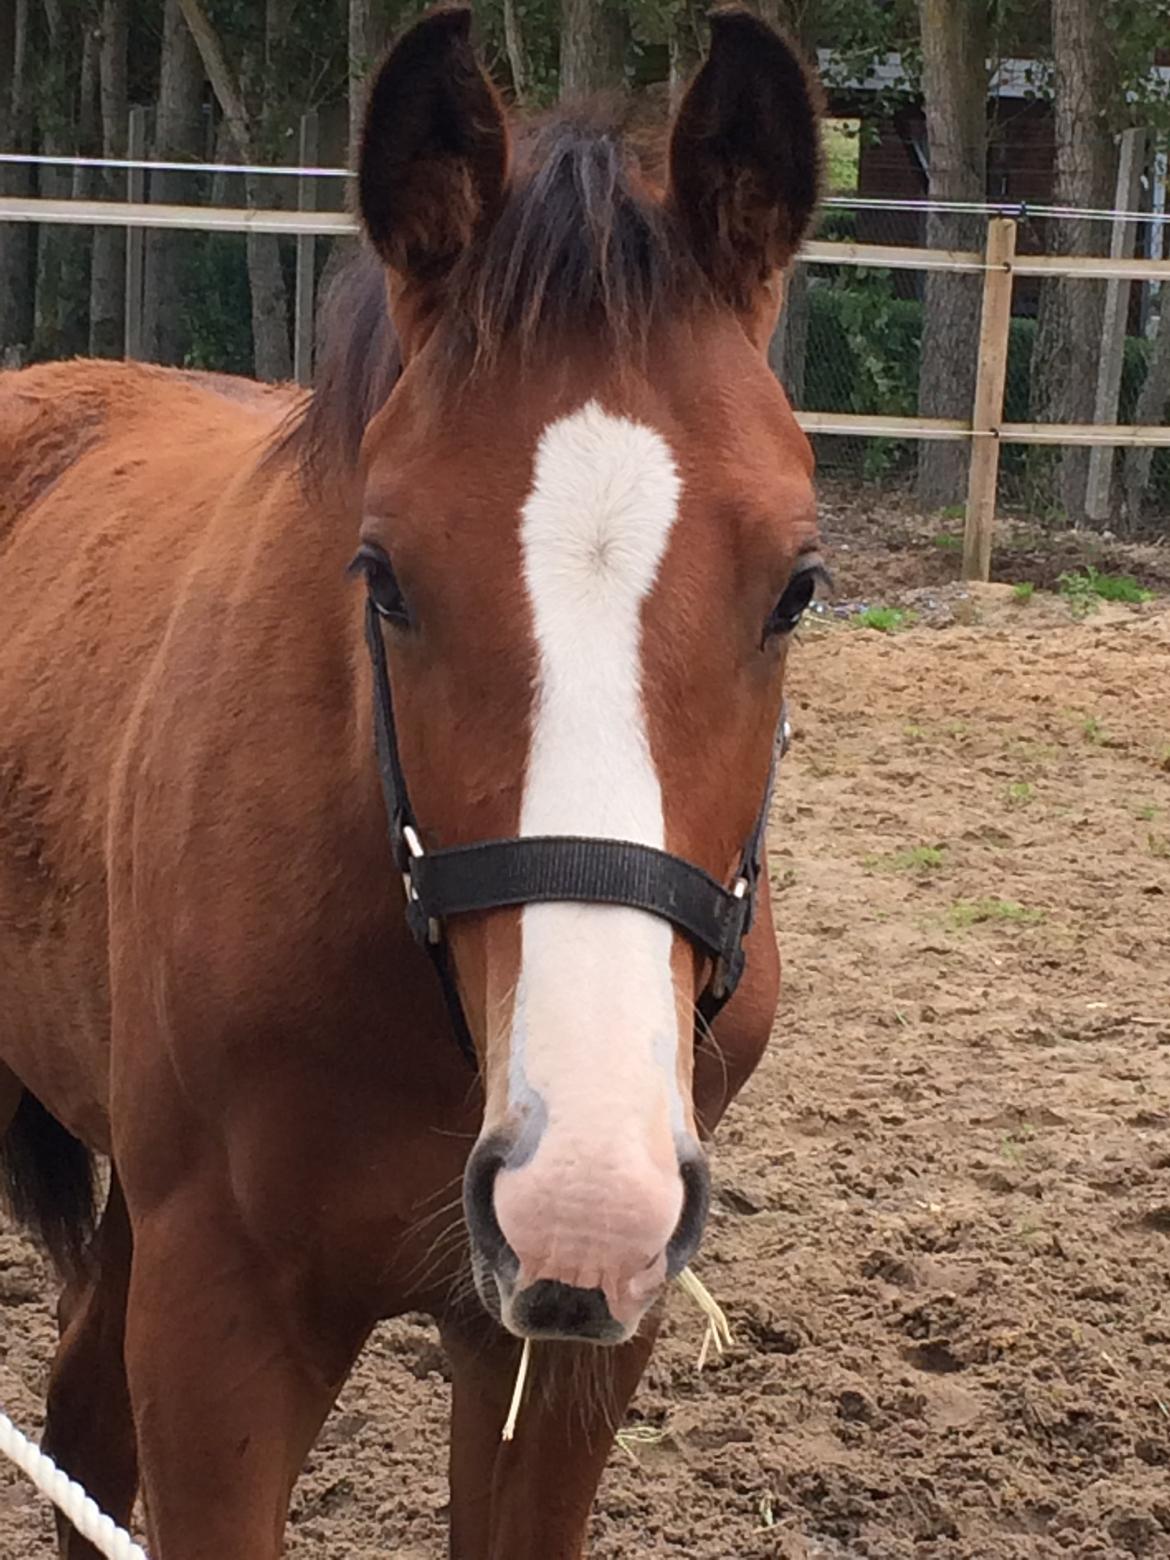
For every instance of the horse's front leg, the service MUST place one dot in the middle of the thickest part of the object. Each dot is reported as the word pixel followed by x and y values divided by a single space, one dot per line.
pixel 232 1369
pixel 530 1498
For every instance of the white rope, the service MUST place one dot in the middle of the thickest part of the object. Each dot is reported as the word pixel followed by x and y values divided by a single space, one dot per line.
pixel 67 1495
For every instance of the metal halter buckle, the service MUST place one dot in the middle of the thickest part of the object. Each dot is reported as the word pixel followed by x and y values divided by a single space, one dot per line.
pixel 414 845
pixel 739 890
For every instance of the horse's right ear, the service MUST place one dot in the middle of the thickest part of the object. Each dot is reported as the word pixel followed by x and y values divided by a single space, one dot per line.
pixel 434 153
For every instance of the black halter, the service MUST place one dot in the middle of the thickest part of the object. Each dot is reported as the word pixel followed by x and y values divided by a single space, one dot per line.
pixel 543 868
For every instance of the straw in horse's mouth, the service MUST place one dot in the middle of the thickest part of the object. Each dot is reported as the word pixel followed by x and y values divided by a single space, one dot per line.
pixel 718 1334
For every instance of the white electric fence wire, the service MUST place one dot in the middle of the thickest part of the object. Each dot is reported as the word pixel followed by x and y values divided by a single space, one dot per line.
pixel 1003 208
pixel 40 159
pixel 67 1495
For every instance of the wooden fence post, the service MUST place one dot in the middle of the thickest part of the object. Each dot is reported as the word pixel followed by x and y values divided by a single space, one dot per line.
pixel 135 237
pixel 306 256
pixel 1113 327
pixel 987 413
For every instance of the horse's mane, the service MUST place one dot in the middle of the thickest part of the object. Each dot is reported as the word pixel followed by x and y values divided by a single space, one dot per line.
pixel 582 249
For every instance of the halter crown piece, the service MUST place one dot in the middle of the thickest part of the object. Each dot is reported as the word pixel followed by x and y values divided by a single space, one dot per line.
pixel 536 869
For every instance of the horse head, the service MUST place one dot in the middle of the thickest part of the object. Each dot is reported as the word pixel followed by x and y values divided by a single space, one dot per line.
pixel 588 532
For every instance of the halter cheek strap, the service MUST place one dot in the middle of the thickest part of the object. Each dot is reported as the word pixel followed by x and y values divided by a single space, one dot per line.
pixel 539 869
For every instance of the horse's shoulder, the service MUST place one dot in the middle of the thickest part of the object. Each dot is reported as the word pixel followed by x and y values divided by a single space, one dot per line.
pixel 50 414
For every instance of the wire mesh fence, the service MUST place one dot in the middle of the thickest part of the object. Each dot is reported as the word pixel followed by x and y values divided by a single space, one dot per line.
pixel 860 340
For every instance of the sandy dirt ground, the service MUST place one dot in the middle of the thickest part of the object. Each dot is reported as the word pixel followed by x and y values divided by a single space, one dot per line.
pixel 942 1214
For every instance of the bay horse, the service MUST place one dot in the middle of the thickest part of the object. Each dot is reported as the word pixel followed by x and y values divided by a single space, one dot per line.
pixel 584 528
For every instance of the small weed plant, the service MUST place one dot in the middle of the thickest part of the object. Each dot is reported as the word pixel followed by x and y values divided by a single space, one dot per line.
pixel 965 913
pixel 1085 588
pixel 1023 592
pixel 915 858
pixel 886 620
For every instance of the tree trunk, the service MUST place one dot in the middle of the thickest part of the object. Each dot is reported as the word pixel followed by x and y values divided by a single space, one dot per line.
pixel 16 238
pixel 178 135
pixel 360 59
pixel 794 17
pixel 271 345
pixel 271 349
pixel 788 348
pixel 59 322
pixel 1153 404
pixel 593 46
pixel 954 85
pixel 518 60
pixel 1068 336
pixel 84 183
pixel 685 52
pixel 107 295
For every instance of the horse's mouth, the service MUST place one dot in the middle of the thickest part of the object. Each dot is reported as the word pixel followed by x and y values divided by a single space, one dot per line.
pixel 546 1311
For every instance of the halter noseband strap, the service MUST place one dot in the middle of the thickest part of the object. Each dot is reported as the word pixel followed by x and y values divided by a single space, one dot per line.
pixel 535 869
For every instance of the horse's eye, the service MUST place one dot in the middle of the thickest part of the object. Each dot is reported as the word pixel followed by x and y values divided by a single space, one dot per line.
pixel 382 584
pixel 789 610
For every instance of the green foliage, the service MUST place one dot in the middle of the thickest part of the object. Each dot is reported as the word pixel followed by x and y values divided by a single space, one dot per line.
pixel 842 141
pixel 1092 729
pixel 864 356
pixel 218 306
pixel 1023 592
pixel 915 858
pixel 865 347
pixel 886 620
pixel 965 913
pixel 1083 588
pixel 867 343
pixel 1136 28
pixel 1116 587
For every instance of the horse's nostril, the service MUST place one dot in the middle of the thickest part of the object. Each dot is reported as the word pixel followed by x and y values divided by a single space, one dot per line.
pixel 549 1308
pixel 688 1232
pixel 486 1161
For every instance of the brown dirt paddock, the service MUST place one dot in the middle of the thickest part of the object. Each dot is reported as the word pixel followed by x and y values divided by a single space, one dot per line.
pixel 942 1223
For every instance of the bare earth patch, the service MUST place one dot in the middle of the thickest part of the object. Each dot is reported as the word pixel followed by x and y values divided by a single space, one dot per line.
pixel 942 1219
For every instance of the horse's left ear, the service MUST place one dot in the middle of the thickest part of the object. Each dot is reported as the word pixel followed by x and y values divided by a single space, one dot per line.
pixel 745 163
pixel 434 154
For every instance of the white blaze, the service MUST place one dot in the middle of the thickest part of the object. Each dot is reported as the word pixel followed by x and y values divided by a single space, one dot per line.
pixel 595 1022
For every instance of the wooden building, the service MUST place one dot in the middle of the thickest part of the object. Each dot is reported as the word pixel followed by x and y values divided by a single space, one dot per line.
pixel 894 162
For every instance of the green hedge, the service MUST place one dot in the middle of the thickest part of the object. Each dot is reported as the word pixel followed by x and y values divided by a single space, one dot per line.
pixel 865 349
pixel 864 354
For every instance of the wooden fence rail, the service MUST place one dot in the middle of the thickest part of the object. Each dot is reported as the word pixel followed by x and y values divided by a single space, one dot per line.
pixel 999 264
